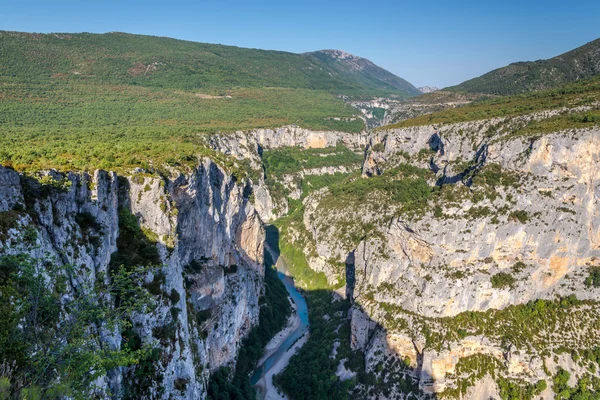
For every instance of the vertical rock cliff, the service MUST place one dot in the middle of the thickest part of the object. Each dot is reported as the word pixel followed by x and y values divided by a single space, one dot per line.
pixel 464 237
pixel 206 288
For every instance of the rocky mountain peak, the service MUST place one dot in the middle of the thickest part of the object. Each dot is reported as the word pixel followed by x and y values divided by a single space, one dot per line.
pixel 428 89
pixel 339 54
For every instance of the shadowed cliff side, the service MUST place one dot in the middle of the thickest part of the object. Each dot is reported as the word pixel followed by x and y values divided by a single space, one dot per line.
pixel 330 365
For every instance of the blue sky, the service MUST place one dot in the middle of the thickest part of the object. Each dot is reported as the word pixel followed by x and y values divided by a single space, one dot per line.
pixel 436 43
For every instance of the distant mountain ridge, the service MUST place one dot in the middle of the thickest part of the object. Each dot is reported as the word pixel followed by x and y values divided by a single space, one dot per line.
pixel 521 77
pixel 121 58
pixel 362 70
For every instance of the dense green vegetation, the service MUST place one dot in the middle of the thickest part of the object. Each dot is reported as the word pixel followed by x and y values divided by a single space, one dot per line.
pixel 292 161
pixel 119 101
pixel 311 371
pixel 404 191
pixel 400 190
pixel 527 326
pixel 517 389
pixel 134 248
pixel 403 184
pixel 502 280
pixel 593 278
pixel 585 92
pixel 560 123
pixel 289 160
pixel 587 388
pixel 43 354
pixel 472 368
pixel 120 58
pixel 293 253
pixel 577 64
pixel 274 311
pixel 84 126
pixel 315 182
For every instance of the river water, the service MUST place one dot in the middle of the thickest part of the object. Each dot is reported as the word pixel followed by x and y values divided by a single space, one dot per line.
pixel 302 328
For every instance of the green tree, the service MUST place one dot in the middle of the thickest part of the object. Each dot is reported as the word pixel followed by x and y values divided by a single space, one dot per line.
pixel 51 330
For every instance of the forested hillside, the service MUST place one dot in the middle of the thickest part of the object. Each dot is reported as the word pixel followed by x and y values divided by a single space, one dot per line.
pixel 581 97
pixel 118 101
pixel 361 70
pixel 580 63
pixel 120 58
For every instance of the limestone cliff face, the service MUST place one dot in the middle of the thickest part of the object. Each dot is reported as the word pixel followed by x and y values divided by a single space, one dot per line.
pixel 206 218
pixel 203 216
pixel 248 146
pixel 293 136
pixel 558 191
pixel 541 229
pixel 534 219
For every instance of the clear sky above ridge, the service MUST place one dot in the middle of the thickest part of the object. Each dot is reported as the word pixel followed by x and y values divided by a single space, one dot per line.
pixel 437 43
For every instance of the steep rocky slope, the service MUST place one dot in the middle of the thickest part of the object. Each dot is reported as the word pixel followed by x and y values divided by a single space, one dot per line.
pixel 460 242
pixel 381 112
pixel 252 144
pixel 517 222
pixel 209 240
pixel 467 250
pixel 206 226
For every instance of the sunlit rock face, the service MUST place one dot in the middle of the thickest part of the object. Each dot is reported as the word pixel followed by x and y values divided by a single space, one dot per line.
pixel 413 275
pixel 202 216
pixel 537 223
pixel 541 230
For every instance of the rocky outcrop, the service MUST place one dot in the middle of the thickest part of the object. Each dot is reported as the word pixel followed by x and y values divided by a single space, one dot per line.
pixel 293 182
pixel 10 190
pixel 293 136
pixel 375 111
pixel 536 225
pixel 420 255
pixel 428 89
pixel 520 207
pixel 249 144
pixel 202 217
pixel 248 147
